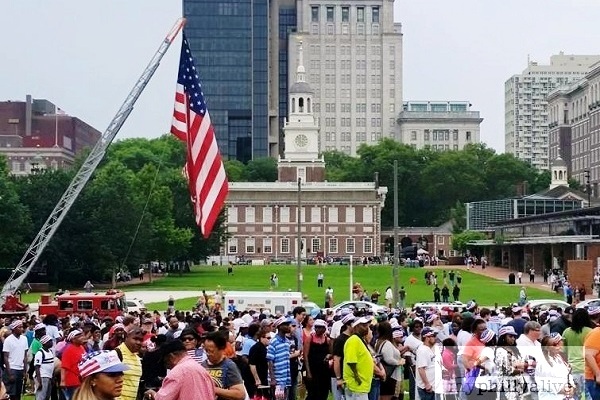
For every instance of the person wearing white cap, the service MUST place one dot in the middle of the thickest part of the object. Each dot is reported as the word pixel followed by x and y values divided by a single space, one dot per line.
pixel 510 365
pixel 358 362
pixel 102 375
pixel 530 348
pixel 428 367
pixel 15 360
pixel 71 355
pixel 43 363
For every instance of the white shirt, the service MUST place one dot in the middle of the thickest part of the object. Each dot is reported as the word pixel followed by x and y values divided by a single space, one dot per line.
pixel 551 379
pixel 426 358
pixel 237 323
pixel 389 295
pixel 413 343
pixel 16 349
pixel 45 359
pixel 336 329
pixel 461 340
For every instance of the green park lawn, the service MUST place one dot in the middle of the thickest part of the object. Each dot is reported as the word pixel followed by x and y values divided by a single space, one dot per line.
pixel 484 290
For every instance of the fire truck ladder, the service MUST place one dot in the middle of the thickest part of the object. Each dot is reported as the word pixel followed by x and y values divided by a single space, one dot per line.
pixel 45 234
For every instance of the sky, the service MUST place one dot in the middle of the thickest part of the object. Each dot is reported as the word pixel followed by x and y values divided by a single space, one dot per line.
pixel 86 56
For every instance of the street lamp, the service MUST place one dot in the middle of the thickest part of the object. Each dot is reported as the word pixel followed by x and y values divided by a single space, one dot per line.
pixel 299 236
pixel 276 231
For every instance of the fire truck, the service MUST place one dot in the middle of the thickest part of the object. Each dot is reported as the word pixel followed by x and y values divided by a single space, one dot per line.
pixel 112 303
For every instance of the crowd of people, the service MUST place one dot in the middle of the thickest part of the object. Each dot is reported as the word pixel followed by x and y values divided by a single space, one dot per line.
pixel 510 353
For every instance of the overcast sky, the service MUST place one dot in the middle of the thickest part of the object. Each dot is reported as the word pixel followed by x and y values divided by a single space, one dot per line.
pixel 86 56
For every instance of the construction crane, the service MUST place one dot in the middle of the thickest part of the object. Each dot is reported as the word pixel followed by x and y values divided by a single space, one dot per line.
pixel 8 301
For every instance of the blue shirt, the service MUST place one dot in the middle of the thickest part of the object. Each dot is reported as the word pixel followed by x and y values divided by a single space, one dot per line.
pixel 278 353
pixel 248 343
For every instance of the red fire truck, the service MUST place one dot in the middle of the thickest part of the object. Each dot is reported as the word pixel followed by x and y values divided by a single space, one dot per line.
pixel 111 303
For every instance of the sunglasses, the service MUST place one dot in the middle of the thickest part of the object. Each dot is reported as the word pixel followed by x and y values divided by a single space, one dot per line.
pixel 188 339
pixel 113 374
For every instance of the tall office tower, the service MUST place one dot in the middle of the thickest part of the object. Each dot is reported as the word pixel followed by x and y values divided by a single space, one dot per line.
pixel 526 113
pixel 240 49
pixel 353 55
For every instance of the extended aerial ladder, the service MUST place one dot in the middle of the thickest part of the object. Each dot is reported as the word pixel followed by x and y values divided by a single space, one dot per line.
pixel 31 256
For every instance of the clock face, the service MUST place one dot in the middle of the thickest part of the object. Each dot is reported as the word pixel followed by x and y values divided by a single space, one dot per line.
pixel 301 140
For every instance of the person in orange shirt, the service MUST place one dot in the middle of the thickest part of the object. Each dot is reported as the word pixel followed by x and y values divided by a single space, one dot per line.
pixel 591 348
pixel 474 345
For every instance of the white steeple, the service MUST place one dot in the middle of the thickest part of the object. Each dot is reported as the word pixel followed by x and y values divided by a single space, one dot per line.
pixel 559 174
pixel 300 72
pixel 301 131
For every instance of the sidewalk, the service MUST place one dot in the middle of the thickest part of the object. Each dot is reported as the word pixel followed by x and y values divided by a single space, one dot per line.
pixel 500 274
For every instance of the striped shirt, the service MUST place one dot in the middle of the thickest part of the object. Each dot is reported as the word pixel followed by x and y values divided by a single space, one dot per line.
pixel 131 377
pixel 198 355
pixel 278 353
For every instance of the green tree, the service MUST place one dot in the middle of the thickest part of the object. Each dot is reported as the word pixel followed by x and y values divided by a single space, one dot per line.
pixel 460 241
pixel 262 170
pixel 15 221
pixel 235 170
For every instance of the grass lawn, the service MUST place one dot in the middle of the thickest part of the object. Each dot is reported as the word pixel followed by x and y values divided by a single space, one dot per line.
pixel 484 290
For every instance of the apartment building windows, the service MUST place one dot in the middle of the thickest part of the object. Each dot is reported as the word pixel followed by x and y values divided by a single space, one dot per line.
pixel 361 93
pixel 346 107
pixel 455 134
pixel 375 136
pixel 346 137
pixel 350 215
pixel 361 122
pixel 345 14
pixel 361 136
pixel 267 215
pixel 426 135
pixel 468 136
pixel 330 107
pixel 329 14
pixel 345 93
pixel 330 136
pixel 361 107
pixel 315 214
pixel 375 15
pixel 360 14
pixel 413 135
pixel 333 214
pixel 284 214
pixel 314 12
pixel 367 215
pixel 375 107
pixel 375 122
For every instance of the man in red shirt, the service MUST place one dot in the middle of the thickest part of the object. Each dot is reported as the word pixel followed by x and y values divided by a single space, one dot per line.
pixel 69 371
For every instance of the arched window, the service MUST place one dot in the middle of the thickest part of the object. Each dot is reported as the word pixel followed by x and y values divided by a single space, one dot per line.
pixel 293 104
pixel 308 110
pixel 301 104
pixel 560 175
pixel 555 175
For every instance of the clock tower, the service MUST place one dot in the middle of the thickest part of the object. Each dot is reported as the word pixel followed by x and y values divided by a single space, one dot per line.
pixel 301 132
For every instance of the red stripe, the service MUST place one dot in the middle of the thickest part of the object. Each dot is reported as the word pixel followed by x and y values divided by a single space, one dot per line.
pixel 215 211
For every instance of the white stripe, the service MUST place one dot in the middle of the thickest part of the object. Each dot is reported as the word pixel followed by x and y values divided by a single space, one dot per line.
pixel 213 193
pixel 180 107
pixel 180 126
pixel 204 125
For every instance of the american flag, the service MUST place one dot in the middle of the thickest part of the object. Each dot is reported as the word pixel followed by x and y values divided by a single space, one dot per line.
pixel 204 166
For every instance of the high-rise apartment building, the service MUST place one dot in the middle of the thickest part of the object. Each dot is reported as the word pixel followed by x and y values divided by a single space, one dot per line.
pixel 353 55
pixel 240 48
pixel 526 113
pixel 574 123
pixel 439 125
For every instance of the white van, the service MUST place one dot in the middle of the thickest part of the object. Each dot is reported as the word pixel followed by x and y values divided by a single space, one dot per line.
pixel 276 302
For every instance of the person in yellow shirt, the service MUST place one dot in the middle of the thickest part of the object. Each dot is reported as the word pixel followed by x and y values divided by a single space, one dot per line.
pixel 358 362
pixel 129 353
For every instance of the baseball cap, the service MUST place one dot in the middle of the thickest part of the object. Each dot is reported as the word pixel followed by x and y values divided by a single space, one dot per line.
pixel 15 324
pixel 320 323
pixel 45 339
pixel 487 335
pixel 148 321
pixel 350 317
pixel 101 361
pixel 361 320
pixel 569 310
pixel 39 326
pixel 73 334
pixel 428 332
pixel 281 321
pixel 594 310
pixel 507 330
pixel 397 333
pixel 555 337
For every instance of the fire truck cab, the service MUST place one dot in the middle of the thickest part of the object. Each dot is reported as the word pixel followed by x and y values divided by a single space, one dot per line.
pixel 112 303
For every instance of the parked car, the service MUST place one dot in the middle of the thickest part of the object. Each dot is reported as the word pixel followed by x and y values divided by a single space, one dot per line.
pixel 311 308
pixel 588 303
pixel 546 303
pixel 136 305
pixel 359 305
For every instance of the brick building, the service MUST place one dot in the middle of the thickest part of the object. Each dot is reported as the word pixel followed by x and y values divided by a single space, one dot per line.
pixel 336 219
pixel 36 134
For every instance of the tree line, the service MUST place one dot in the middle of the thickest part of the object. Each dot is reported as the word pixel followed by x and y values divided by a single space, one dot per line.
pixel 136 208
